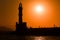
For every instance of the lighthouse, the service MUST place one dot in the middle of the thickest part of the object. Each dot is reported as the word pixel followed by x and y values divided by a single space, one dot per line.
pixel 20 25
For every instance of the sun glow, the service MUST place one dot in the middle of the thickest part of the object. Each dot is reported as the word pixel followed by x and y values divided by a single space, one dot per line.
pixel 40 15
pixel 39 9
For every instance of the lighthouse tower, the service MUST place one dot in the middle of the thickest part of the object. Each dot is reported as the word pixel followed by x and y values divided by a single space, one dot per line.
pixel 20 26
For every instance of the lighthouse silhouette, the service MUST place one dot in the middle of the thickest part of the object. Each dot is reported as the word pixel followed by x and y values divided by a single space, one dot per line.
pixel 20 26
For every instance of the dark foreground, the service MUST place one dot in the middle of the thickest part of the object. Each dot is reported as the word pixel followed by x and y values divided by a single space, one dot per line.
pixel 35 32
pixel 14 37
pixel 31 34
pixel 40 31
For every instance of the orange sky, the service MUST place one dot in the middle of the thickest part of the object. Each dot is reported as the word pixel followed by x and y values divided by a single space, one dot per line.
pixel 48 18
pixel 9 13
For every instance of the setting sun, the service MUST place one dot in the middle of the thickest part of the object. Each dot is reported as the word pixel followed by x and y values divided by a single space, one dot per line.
pixel 39 9
pixel 40 14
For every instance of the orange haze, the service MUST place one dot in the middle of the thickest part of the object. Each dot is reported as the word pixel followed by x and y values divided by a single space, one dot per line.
pixel 9 13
